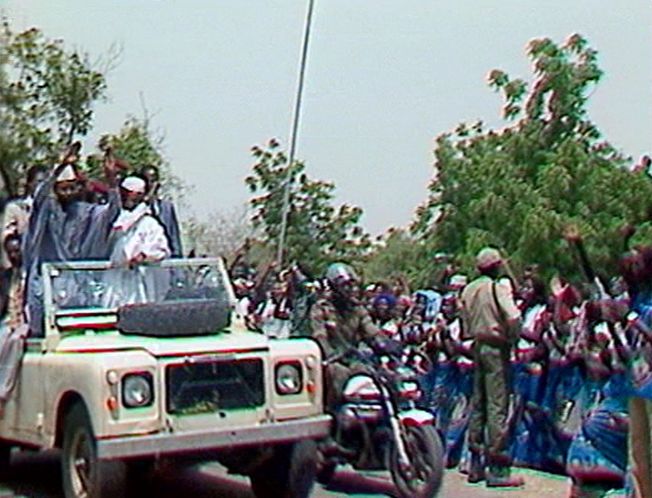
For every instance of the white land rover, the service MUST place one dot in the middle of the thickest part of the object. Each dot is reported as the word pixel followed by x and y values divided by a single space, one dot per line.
pixel 143 363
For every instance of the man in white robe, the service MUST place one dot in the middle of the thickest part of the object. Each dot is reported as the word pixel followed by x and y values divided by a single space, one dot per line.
pixel 136 237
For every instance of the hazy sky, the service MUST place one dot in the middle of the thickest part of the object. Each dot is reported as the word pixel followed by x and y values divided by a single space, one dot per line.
pixel 384 78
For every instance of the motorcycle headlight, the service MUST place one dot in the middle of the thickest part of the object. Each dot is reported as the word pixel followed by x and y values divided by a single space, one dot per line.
pixel 288 378
pixel 137 390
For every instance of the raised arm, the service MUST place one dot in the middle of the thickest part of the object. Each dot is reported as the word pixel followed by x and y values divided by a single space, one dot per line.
pixel 574 238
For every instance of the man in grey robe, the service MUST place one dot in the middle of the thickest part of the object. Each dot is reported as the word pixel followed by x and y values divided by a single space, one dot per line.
pixel 162 209
pixel 62 228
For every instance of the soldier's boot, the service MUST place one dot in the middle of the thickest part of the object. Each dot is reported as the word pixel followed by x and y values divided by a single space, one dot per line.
pixel 500 477
pixel 476 468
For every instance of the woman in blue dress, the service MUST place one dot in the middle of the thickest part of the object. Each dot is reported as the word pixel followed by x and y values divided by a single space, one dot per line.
pixel 597 457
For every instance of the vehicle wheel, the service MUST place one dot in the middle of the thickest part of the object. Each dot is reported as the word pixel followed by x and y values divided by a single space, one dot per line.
pixel 84 475
pixel 423 477
pixel 5 459
pixel 290 473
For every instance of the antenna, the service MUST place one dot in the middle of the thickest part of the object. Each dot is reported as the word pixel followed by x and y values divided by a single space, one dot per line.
pixel 294 132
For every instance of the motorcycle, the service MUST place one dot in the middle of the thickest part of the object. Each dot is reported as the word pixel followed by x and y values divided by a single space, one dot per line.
pixel 378 426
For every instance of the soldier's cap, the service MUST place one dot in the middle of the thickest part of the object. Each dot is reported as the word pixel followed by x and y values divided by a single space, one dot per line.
pixel 487 258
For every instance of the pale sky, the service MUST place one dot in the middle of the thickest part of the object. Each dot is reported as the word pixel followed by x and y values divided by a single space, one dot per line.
pixel 384 78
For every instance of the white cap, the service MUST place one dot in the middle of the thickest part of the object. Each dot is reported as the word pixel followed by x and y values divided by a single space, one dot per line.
pixel 68 174
pixel 133 184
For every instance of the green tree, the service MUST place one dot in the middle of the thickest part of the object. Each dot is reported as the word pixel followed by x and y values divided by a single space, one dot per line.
pixel 395 253
pixel 317 231
pixel 518 187
pixel 47 95
pixel 137 145
pixel 221 234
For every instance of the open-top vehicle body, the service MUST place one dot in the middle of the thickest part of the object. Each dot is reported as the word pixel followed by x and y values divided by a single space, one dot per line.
pixel 145 362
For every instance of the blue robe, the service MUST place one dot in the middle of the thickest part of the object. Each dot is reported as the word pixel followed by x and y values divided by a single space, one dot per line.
pixel 79 232
pixel 164 211
pixel 598 453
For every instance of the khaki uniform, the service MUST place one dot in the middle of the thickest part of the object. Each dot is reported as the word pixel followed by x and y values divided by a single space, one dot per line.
pixel 487 307
pixel 337 333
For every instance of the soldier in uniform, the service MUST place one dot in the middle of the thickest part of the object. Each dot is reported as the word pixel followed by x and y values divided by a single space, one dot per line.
pixel 339 322
pixel 491 317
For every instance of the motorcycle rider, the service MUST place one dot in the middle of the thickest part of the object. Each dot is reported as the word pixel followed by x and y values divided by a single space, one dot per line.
pixel 339 322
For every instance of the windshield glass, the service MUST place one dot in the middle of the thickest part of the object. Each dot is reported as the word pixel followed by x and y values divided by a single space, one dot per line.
pixel 90 285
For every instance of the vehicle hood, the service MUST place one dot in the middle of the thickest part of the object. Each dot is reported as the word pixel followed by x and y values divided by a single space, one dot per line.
pixel 240 341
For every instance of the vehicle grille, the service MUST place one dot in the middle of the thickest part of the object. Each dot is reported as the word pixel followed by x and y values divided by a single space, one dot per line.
pixel 215 385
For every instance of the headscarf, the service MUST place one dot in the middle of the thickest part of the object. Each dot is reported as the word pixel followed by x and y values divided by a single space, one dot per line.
pixel 432 300
pixel 388 299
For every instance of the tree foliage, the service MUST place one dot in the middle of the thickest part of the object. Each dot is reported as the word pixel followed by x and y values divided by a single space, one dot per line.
pixel 318 232
pixel 399 252
pixel 137 145
pixel 222 234
pixel 517 188
pixel 47 95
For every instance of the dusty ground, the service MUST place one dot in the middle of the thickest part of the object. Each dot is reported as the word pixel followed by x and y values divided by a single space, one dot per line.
pixel 38 476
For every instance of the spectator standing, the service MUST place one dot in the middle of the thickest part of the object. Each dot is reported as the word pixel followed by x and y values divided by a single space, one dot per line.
pixel 13 306
pixel 17 211
pixel 13 328
pixel 382 315
pixel 16 215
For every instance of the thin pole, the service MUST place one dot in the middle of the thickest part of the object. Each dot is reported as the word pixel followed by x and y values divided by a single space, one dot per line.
pixel 294 132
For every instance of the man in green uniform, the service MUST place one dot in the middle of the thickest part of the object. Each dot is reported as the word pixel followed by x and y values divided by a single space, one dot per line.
pixel 491 318
pixel 339 322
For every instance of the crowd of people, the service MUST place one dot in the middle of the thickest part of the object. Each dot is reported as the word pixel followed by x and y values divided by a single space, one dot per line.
pixel 518 371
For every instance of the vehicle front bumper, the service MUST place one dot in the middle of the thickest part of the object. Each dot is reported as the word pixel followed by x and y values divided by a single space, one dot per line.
pixel 166 443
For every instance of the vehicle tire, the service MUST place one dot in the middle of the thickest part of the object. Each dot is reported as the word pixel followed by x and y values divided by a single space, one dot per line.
pixel 423 477
pixel 83 474
pixel 290 473
pixel 5 460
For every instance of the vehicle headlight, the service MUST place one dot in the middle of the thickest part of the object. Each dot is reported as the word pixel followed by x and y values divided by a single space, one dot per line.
pixel 288 378
pixel 137 390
